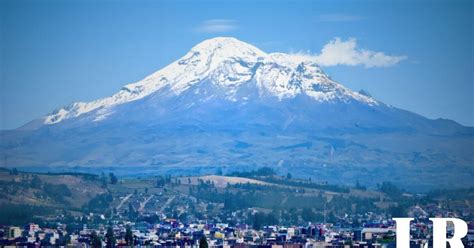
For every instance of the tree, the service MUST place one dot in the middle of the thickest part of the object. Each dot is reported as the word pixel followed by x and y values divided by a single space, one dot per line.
pixel 258 219
pixel 131 211
pixel 95 240
pixel 271 219
pixel 265 171
pixel 103 180
pixel 109 238
pixel 66 239
pixel 360 186
pixel 160 182
pixel 14 171
pixel 36 182
pixel 129 236
pixel 293 215
pixel 203 242
pixel 397 211
pixel 113 178
pixel 308 215
pixel 390 189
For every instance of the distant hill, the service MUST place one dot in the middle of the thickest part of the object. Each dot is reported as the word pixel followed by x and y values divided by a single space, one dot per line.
pixel 33 197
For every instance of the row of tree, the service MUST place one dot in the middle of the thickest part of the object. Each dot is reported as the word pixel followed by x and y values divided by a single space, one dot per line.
pixel 110 240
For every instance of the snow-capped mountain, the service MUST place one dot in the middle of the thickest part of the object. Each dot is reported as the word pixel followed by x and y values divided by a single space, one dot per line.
pixel 228 104
pixel 229 64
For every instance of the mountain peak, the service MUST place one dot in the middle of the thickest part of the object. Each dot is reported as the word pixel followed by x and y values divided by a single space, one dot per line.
pixel 228 65
pixel 229 46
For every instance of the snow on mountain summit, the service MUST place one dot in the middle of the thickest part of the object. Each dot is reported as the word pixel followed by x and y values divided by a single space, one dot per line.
pixel 228 64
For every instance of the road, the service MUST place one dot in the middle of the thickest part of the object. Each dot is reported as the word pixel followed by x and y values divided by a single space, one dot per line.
pixel 125 199
pixel 143 204
pixel 168 202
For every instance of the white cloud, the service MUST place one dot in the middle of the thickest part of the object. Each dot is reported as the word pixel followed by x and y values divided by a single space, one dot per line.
pixel 339 52
pixel 339 18
pixel 216 26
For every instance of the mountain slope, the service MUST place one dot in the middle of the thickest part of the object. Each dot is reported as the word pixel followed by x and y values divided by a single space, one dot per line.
pixel 229 65
pixel 228 104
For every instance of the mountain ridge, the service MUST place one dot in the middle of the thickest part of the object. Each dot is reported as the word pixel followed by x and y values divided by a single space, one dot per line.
pixel 228 63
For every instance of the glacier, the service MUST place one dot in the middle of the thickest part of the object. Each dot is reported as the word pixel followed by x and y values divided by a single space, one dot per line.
pixel 227 63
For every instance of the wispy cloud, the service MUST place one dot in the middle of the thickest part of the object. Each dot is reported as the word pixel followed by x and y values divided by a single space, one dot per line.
pixel 269 44
pixel 337 17
pixel 339 52
pixel 216 26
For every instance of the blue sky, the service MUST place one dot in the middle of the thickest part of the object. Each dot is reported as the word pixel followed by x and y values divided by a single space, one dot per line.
pixel 57 52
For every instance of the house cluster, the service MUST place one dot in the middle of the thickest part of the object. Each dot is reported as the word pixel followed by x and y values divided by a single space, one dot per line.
pixel 172 233
pixel 30 235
